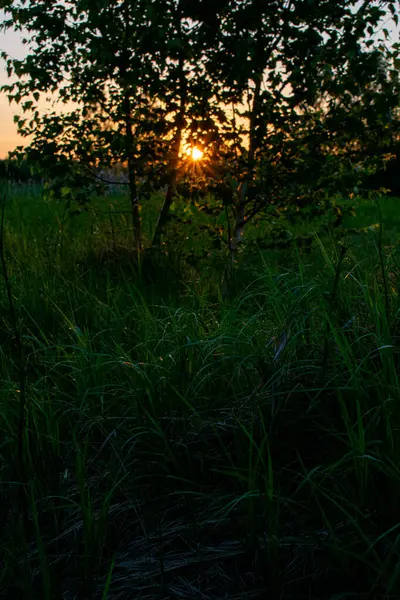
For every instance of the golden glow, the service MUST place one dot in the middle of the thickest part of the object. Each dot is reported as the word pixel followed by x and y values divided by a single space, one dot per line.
pixel 194 153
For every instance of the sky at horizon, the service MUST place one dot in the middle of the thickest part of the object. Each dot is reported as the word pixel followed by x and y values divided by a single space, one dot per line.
pixel 11 43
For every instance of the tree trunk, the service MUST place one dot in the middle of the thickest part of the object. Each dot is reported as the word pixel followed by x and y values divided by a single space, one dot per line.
pixel 134 207
pixel 176 145
pixel 236 235
pixel 169 196
pixel 238 228
pixel 133 192
pixel 240 206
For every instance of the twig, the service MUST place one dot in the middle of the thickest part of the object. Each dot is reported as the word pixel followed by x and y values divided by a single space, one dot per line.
pixel 103 180
pixel 258 207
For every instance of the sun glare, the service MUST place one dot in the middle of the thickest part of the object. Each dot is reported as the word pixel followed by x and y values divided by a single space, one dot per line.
pixel 195 153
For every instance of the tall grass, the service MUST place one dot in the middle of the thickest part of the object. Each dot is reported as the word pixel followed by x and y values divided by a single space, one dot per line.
pixel 183 445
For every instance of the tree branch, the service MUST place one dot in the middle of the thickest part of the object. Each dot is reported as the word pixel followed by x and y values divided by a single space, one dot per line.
pixel 257 209
pixel 103 180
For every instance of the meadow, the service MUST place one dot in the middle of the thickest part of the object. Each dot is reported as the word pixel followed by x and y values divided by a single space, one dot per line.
pixel 181 442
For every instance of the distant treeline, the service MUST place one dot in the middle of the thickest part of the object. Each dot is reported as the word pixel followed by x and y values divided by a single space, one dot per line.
pixel 16 171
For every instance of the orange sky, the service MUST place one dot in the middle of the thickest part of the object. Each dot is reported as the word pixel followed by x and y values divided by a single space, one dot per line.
pixel 11 43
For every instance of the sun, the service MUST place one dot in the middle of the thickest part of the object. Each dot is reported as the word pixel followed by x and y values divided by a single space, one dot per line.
pixel 195 153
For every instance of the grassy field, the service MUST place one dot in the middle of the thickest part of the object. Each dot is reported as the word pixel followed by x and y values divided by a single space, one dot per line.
pixel 181 443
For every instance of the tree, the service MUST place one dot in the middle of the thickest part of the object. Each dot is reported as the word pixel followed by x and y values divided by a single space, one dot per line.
pixel 305 83
pixel 129 70
pixel 283 95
